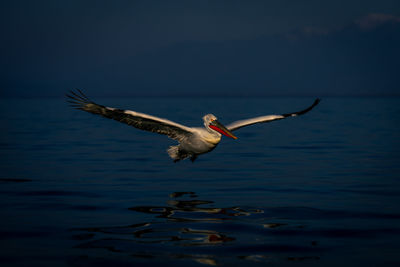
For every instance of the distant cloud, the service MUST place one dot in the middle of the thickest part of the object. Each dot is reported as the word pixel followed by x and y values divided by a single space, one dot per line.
pixel 366 23
pixel 372 21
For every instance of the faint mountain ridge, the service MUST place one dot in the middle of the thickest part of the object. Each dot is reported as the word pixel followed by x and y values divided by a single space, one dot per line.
pixel 374 20
pixel 360 58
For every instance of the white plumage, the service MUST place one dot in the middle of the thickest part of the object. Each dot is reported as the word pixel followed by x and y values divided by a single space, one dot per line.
pixel 192 141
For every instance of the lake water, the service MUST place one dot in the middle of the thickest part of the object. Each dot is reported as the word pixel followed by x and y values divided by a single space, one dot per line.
pixel 322 189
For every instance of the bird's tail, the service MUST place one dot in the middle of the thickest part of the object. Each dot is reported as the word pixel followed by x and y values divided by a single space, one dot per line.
pixel 173 152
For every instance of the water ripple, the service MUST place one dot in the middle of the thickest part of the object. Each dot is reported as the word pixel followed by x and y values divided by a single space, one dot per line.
pixel 14 180
pixel 57 193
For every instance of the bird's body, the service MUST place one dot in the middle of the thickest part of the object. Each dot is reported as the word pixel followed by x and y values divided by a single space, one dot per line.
pixel 193 141
pixel 200 142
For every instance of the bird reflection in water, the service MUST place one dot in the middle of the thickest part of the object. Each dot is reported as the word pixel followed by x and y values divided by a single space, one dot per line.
pixel 191 229
pixel 189 212
pixel 184 222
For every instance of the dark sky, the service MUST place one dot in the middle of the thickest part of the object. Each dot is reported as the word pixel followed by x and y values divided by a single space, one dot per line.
pixel 167 48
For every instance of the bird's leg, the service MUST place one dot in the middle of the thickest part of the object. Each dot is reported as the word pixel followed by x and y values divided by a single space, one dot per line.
pixel 193 158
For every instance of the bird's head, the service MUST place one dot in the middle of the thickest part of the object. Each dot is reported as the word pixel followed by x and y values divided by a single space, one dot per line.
pixel 211 123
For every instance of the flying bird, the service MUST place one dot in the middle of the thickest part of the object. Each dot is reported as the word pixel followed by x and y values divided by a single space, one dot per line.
pixel 193 141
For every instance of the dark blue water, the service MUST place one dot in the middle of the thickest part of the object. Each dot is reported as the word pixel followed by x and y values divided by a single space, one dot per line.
pixel 318 190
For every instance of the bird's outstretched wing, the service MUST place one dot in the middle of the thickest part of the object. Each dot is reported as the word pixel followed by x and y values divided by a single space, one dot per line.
pixel 138 120
pixel 242 123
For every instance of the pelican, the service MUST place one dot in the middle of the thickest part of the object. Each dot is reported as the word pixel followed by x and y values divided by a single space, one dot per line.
pixel 193 141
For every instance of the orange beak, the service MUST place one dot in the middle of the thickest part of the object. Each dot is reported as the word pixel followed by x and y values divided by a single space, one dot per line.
pixel 215 125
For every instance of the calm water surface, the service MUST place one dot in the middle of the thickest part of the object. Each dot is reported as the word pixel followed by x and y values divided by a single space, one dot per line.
pixel 318 190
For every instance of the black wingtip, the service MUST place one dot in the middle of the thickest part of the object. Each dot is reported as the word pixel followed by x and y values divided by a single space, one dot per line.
pixel 316 102
pixel 76 98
